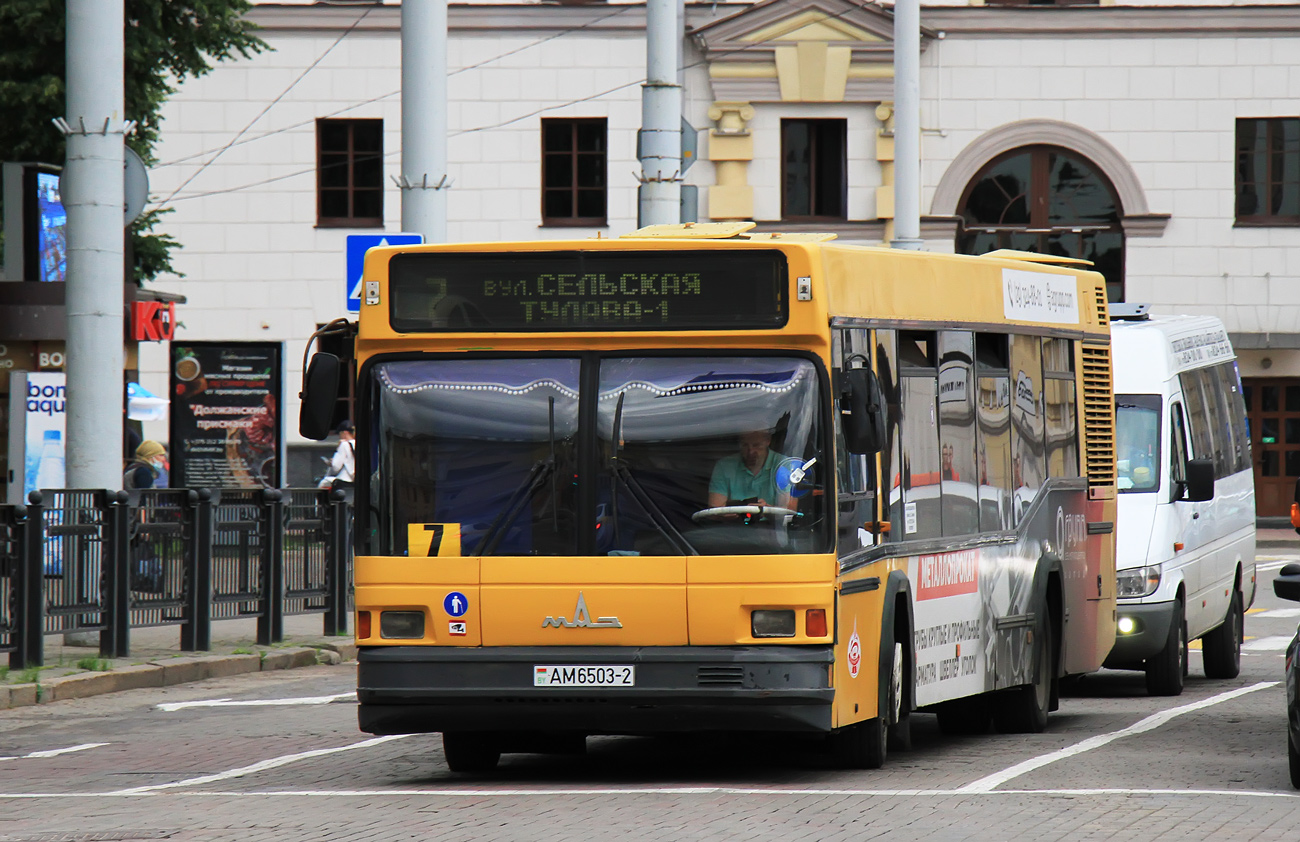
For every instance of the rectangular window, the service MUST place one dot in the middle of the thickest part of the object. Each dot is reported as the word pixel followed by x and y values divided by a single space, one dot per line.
pixel 350 173
pixel 573 171
pixel 1268 171
pixel 813 169
pixel 993 425
pixel 957 433
pixel 1028 461
pixel 1060 408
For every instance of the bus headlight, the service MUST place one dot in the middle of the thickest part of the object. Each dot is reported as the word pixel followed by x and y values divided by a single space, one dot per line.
pixel 766 622
pixel 401 625
pixel 1137 581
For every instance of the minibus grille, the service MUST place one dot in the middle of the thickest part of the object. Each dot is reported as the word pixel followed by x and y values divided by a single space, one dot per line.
pixel 1098 415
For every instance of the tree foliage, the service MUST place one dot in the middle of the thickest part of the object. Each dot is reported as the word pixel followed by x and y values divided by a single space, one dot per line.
pixel 165 43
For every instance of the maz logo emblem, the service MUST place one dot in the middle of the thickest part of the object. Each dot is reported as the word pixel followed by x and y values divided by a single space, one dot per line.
pixel 582 619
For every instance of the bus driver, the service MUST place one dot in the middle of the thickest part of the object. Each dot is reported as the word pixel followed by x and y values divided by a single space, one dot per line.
pixel 750 475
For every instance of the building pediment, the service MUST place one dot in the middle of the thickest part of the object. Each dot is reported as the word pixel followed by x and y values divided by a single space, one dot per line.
pixel 756 33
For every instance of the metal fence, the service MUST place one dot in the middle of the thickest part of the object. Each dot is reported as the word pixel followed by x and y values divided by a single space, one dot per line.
pixel 108 561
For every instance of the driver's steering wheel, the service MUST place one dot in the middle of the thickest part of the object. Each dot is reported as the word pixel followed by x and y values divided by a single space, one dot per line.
pixel 717 512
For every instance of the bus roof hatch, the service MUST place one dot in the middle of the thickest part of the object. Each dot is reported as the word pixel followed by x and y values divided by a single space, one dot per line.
pixel 690 231
pixel 1034 257
pixel 794 237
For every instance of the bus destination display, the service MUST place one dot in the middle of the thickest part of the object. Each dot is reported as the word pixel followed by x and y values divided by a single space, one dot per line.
pixel 561 291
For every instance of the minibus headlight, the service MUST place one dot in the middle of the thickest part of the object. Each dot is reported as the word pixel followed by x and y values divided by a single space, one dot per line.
pixel 401 624
pixel 766 622
pixel 1137 581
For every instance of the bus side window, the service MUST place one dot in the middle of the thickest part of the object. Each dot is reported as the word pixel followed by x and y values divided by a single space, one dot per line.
pixel 1177 450
pixel 993 428
pixel 918 390
pixel 856 509
pixel 957 433
pixel 886 360
pixel 1028 467
pixel 1062 428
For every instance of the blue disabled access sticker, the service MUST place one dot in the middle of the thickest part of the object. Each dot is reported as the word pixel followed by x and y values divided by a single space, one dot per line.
pixel 455 604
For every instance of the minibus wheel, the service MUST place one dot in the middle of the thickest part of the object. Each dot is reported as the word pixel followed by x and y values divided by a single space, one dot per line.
pixel 1222 646
pixel 1166 668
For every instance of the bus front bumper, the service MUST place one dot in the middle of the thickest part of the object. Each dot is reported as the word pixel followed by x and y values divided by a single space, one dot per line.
pixel 418 689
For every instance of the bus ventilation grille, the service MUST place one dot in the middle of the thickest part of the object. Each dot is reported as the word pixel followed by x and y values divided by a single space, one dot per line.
pixel 1098 415
pixel 1103 312
pixel 728 676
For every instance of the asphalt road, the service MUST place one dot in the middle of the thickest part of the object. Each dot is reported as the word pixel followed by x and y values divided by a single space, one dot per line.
pixel 278 756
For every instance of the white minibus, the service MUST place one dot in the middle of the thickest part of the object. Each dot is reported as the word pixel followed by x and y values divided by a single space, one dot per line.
pixel 1185 550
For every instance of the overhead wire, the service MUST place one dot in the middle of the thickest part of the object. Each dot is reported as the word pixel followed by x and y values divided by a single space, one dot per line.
pixel 504 123
pixel 355 105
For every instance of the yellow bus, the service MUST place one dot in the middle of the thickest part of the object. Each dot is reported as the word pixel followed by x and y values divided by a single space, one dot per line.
pixel 701 479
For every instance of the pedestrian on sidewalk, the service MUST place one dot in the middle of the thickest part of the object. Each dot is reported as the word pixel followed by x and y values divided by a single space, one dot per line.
pixel 148 466
pixel 342 472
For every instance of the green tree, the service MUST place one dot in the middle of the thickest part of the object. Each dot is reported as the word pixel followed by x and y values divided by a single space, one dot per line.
pixel 166 42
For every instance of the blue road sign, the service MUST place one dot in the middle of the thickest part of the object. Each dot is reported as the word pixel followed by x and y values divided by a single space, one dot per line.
pixel 358 245
pixel 455 604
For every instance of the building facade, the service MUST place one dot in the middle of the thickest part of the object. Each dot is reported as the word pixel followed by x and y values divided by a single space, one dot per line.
pixel 1160 141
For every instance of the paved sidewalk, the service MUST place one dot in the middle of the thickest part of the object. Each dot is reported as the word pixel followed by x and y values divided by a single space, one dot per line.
pixel 75 671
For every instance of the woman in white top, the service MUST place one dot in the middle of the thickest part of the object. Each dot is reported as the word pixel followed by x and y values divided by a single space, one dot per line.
pixel 343 465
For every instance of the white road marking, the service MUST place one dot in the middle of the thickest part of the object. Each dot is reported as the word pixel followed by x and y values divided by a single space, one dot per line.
pixel 54 752
pixel 1278 612
pixel 223 703
pixel 260 766
pixel 634 790
pixel 1155 720
pixel 1275 643
pixel 1273 564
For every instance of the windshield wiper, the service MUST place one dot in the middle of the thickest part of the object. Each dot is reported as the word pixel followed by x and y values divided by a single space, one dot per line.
pixel 619 470
pixel 542 470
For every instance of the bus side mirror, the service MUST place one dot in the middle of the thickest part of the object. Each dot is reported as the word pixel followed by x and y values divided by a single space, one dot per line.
pixel 862 412
pixel 1200 480
pixel 320 391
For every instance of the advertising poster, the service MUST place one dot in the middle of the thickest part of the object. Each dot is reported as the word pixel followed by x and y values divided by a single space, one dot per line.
pixel 46 431
pixel 225 415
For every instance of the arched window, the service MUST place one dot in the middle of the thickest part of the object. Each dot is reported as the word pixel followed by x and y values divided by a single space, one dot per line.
pixel 1047 200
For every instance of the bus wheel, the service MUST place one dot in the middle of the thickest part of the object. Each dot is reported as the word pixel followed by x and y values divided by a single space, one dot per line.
pixel 470 751
pixel 1166 668
pixel 1222 646
pixel 1025 710
pixel 899 735
pixel 864 745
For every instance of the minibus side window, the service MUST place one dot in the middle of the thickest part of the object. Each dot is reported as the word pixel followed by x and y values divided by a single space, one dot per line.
pixel 993 425
pixel 850 348
pixel 1177 450
pixel 1061 409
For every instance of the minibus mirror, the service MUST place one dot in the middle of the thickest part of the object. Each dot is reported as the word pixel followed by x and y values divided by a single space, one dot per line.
pixel 320 391
pixel 1200 480
pixel 1287 583
pixel 863 416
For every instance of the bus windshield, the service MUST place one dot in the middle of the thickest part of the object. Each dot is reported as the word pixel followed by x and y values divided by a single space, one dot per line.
pixel 695 455
pixel 1137 440
pixel 712 455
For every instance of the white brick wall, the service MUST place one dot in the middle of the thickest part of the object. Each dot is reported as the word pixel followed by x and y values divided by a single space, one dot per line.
pixel 253 257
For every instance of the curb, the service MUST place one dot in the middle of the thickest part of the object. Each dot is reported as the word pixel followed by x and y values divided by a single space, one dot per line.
pixel 168 672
